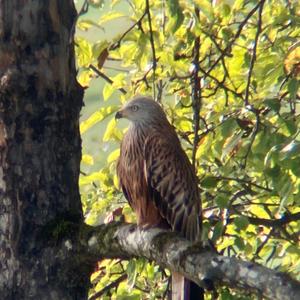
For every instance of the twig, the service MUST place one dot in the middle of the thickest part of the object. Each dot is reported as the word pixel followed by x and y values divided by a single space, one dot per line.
pixel 253 58
pixel 245 181
pixel 260 247
pixel 220 83
pixel 196 94
pixel 105 77
pixel 118 43
pixel 274 223
pixel 253 135
pixel 144 78
pixel 241 26
pixel 152 46
pixel 84 9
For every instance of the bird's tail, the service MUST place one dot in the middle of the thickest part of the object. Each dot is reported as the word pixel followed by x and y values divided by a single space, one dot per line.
pixel 184 289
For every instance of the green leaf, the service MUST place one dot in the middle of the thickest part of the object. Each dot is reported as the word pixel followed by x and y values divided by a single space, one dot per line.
pixel 273 172
pixel 112 132
pixel 83 52
pixel 273 104
pixel 239 242
pixel 293 87
pixel 241 222
pixel 295 166
pixel 222 201
pixel 230 144
pixel 205 8
pixel 86 24
pixel 98 47
pixel 108 91
pixel 87 159
pixel 218 231
pixel 96 117
pixel 94 177
pixel 176 15
pixel 113 156
pixel 290 151
pixel 228 127
pixel 285 189
pixel 111 16
pixel 132 273
pixel 272 156
pixel 209 182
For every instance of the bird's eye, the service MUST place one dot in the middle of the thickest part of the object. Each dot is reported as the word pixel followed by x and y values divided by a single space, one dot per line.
pixel 134 108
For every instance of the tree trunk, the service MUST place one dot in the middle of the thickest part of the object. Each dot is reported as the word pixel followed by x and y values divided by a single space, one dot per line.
pixel 40 151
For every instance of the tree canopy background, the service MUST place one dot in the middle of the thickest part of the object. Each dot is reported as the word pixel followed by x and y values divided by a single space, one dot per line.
pixel 227 74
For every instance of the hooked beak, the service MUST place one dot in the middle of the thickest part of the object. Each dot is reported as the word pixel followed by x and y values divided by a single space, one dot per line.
pixel 118 115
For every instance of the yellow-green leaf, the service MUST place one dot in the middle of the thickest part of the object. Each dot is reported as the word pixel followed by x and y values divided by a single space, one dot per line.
pixel 96 117
pixel 87 159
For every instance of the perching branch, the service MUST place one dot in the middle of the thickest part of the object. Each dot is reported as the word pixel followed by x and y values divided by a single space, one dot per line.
pixel 253 58
pixel 201 265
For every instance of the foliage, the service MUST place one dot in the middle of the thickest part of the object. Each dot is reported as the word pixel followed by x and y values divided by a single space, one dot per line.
pixel 227 73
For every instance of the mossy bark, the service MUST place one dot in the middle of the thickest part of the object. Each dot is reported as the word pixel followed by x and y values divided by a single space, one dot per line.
pixel 40 149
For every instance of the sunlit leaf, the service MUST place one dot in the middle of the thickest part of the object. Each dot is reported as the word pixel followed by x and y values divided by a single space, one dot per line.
pixel 97 117
pixel 110 16
pixel 87 159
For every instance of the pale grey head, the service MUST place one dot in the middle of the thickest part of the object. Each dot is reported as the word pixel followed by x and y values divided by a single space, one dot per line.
pixel 142 110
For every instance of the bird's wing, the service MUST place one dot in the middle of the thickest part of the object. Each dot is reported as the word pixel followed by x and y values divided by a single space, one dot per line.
pixel 173 184
pixel 121 172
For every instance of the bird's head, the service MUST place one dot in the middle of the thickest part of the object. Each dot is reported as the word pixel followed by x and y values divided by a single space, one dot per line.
pixel 141 110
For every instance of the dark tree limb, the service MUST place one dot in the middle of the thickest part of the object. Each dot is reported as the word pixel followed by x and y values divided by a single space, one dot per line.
pixel 106 78
pixel 137 23
pixel 198 264
pixel 227 50
pixel 253 58
pixel 196 93
pixel 154 60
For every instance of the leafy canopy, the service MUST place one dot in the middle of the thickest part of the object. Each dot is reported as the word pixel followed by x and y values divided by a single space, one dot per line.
pixel 227 73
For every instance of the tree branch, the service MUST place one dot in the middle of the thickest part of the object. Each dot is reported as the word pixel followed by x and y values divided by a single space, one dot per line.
pixel 196 93
pixel 203 266
pixel 253 58
pixel 118 43
pixel 154 61
pixel 105 77
pixel 227 49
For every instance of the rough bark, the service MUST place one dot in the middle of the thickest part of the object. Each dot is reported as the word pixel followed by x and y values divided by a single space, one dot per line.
pixel 203 266
pixel 40 150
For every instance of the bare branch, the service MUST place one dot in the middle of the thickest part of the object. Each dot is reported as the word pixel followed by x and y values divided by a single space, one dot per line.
pixel 154 61
pixel 253 58
pixel 237 34
pixel 118 43
pixel 196 93
pixel 105 77
pixel 253 135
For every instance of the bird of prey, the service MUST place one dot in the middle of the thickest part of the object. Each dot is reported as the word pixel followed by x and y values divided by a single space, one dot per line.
pixel 157 177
